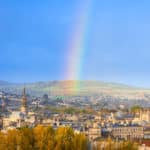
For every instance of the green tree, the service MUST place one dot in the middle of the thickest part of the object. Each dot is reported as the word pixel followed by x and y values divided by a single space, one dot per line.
pixel 135 109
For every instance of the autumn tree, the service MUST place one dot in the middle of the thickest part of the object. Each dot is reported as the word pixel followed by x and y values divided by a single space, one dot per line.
pixel 45 138
pixel 3 144
pixel 12 139
pixel 42 138
pixel 64 138
pixel 80 141
pixel 26 139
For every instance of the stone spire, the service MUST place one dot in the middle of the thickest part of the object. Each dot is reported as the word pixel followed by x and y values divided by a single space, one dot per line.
pixel 24 102
pixel 3 103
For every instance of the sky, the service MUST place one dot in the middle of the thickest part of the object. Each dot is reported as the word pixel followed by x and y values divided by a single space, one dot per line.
pixel 36 38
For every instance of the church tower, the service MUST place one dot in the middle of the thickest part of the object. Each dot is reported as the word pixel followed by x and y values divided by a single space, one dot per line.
pixel 3 104
pixel 24 102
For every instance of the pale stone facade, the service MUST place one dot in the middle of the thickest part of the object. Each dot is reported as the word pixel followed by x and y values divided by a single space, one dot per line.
pixel 145 115
pixel 94 132
pixel 128 132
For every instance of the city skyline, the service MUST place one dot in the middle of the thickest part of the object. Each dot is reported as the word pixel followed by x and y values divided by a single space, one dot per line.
pixel 74 40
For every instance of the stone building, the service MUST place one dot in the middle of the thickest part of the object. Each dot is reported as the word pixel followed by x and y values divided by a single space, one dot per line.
pixel 145 115
pixel 128 132
pixel 94 132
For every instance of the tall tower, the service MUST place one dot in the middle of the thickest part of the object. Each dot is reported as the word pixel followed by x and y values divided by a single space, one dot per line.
pixel 3 103
pixel 24 102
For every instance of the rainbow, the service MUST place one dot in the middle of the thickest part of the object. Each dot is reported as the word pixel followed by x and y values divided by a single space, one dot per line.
pixel 77 44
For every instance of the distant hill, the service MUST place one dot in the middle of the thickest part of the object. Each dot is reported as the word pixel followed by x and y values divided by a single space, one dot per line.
pixel 77 88
pixel 3 83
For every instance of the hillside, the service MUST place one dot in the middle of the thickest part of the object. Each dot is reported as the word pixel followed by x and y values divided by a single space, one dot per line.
pixel 4 83
pixel 81 88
